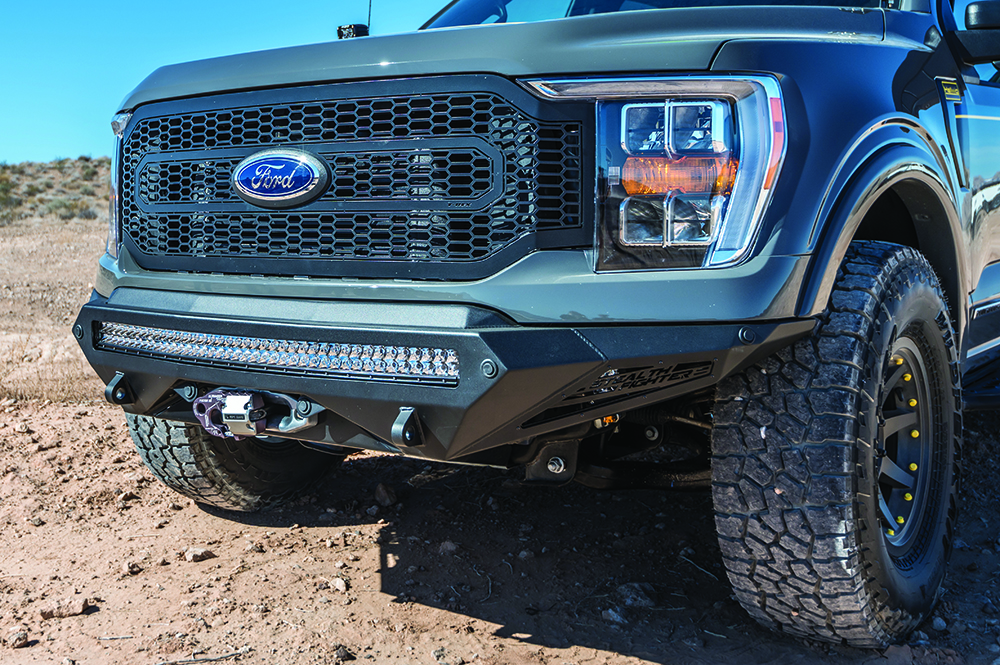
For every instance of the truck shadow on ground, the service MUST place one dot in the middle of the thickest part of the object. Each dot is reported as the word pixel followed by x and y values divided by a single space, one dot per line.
pixel 636 573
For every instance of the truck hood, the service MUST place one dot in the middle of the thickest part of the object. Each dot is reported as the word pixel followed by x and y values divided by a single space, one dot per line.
pixel 627 42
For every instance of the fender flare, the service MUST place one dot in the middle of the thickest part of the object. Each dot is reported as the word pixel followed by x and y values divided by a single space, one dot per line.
pixel 915 174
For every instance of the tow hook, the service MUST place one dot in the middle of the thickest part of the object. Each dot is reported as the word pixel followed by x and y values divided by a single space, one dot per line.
pixel 239 414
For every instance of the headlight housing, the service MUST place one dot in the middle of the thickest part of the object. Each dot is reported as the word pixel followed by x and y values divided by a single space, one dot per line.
pixel 118 124
pixel 686 166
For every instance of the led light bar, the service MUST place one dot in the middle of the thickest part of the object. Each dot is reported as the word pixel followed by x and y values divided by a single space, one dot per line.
pixel 356 361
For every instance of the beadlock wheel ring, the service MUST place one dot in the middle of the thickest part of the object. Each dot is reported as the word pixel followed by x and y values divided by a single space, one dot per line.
pixel 904 451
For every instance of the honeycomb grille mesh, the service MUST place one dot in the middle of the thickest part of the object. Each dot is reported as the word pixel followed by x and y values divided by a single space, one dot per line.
pixel 417 174
pixel 383 203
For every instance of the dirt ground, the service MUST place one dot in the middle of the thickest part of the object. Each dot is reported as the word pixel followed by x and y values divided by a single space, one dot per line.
pixel 466 566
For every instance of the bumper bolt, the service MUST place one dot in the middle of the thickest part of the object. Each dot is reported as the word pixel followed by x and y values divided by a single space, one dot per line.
pixel 302 407
pixel 78 331
pixel 556 465
pixel 489 368
pixel 652 433
pixel 747 336
pixel 188 393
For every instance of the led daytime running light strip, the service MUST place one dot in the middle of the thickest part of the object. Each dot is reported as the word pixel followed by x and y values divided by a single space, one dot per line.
pixel 320 358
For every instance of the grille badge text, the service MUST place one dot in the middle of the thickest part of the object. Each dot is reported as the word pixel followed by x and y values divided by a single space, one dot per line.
pixel 280 178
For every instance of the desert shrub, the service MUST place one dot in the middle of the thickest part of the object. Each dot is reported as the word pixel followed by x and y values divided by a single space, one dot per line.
pixel 32 190
pixel 67 208
pixel 88 172
pixel 8 202
pixel 84 158
pixel 48 184
pixel 87 213
pixel 87 190
pixel 7 187
pixel 60 164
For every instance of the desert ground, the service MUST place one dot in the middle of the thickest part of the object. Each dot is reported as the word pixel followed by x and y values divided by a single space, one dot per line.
pixel 100 563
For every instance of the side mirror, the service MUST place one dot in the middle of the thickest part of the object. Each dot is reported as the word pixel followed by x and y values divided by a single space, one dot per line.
pixel 352 30
pixel 982 15
pixel 980 43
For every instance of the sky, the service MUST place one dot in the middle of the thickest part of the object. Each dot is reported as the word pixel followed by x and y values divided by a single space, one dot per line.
pixel 66 65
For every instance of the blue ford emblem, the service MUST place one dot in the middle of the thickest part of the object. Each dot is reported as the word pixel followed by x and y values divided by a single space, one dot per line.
pixel 280 178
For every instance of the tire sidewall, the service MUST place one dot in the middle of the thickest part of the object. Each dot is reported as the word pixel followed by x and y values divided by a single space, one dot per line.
pixel 911 306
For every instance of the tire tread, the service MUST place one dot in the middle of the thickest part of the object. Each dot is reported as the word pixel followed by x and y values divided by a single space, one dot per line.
pixel 784 458
pixel 212 471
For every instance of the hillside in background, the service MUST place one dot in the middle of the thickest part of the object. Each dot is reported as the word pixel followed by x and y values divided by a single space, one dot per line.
pixel 66 189
pixel 53 225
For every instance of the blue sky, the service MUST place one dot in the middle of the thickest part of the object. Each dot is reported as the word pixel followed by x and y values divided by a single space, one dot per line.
pixel 67 64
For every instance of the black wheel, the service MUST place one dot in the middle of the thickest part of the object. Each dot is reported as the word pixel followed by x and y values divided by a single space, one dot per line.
pixel 244 475
pixel 836 461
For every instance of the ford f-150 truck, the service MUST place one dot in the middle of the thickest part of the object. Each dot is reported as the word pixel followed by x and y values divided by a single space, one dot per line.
pixel 656 243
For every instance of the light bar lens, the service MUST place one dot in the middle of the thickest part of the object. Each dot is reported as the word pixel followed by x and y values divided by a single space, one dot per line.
pixel 372 361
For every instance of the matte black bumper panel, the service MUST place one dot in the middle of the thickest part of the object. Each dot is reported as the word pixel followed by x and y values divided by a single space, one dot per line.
pixel 545 378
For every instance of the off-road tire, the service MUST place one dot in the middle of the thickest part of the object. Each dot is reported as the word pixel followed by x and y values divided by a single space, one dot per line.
pixel 799 468
pixel 245 475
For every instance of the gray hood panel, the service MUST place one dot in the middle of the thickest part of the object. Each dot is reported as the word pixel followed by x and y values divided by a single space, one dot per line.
pixel 648 41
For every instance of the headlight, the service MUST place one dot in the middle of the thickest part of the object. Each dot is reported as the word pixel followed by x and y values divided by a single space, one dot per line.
pixel 686 166
pixel 118 124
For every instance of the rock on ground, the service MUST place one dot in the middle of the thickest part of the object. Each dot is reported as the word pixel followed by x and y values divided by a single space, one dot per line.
pixel 60 609
pixel 198 554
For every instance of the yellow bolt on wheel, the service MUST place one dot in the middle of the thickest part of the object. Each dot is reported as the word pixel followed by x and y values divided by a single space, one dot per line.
pixel 907 377
pixel 908 496
pixel 897 360
pixel 891 532
pixel 900 519
pixel 913 467
pixel 912 402
pixel 914 433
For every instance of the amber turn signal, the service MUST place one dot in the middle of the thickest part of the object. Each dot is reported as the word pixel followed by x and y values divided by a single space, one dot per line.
pixel 662 175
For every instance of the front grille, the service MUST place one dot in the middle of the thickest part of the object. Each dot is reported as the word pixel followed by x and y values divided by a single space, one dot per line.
pixel 431 179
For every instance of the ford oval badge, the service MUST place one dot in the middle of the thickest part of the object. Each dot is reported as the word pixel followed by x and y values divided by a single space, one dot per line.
pixel 280 178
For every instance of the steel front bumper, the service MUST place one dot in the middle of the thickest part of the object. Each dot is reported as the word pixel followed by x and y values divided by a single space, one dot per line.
pixel 514 382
